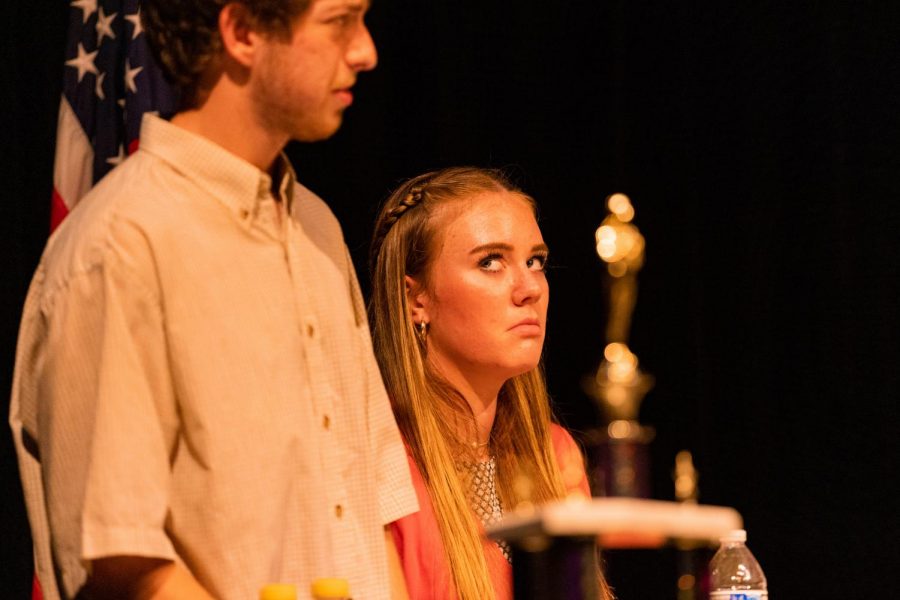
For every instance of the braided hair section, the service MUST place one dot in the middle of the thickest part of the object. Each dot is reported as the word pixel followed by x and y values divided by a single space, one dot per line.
pixel 412 199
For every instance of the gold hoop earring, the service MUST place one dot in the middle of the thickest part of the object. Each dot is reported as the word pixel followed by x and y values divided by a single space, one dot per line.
pixel 422 330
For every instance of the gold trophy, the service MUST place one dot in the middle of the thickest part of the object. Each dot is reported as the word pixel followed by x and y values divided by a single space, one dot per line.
pixel 620 460
pixel 692 555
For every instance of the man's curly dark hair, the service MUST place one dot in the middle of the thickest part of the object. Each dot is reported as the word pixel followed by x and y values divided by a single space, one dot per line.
pixel 183 35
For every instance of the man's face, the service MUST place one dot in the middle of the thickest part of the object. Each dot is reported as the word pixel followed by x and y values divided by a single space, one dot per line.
pixel 300 86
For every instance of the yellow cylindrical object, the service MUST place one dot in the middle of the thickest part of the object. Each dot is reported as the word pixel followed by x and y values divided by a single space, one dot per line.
pixel 330 588
pixel 278 591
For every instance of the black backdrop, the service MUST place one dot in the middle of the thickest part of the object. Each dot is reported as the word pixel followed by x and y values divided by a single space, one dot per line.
pixel 759 145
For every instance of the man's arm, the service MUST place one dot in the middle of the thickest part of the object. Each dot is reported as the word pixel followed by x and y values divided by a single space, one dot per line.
pixel 142 578
pixel 398 583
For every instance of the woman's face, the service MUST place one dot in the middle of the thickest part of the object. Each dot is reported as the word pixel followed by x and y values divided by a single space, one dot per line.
pixel 486 303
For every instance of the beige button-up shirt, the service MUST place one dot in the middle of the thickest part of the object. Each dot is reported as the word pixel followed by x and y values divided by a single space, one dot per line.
pixel 194 381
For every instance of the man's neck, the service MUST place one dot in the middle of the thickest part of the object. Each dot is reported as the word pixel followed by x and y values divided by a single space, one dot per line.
pixel 227 121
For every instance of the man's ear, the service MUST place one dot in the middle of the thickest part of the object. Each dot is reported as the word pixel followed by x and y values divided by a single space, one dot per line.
pixel 240 39
pixel 416 300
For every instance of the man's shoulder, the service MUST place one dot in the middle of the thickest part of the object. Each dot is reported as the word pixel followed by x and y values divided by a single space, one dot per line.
pixel 312 210
pixel 318 221
pixel 117 204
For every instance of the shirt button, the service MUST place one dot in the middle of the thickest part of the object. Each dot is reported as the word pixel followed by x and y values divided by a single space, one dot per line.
pixel 326 422
pixel 338 511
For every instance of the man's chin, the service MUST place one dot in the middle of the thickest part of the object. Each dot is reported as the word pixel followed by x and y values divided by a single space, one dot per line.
pixel 316 132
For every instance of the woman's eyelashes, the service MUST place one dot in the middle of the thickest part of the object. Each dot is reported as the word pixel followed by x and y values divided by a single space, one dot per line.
pixel 491 262
pixel 538 262
pixel 495 261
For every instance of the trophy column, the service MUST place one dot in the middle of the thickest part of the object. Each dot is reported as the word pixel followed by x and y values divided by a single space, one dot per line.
pixel 618 451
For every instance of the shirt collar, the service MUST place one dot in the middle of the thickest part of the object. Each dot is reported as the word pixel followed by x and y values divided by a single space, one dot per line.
pixel 232 180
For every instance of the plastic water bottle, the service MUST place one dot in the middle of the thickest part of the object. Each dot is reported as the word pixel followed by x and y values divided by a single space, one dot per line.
pixel 734 573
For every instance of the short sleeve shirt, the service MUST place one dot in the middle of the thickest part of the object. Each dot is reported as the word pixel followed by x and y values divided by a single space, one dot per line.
pixel 195 381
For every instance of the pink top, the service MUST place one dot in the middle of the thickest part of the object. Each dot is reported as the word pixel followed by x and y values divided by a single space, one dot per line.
pixel 421 549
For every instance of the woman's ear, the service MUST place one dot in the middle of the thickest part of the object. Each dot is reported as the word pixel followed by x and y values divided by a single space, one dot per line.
pixel 416 300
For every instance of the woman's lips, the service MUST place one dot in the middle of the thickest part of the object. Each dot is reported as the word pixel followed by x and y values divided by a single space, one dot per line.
pixel 528 327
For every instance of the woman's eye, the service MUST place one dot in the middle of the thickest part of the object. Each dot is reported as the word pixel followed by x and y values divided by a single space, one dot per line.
pixel 490 262
pixel 538 262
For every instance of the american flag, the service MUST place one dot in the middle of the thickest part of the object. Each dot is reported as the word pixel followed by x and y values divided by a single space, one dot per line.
pixel 110 81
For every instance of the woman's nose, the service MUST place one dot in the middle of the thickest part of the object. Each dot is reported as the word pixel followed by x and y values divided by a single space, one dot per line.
pixel 529 287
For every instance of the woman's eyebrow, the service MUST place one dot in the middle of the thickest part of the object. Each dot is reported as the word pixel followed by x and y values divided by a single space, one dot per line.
pixel 495 246
pixel 502 247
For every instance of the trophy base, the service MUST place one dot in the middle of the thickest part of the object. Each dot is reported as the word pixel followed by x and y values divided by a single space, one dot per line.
pixel 618 458
pixel 546 567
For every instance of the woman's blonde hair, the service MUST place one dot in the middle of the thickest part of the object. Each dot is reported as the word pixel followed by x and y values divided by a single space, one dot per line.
pixel 428 410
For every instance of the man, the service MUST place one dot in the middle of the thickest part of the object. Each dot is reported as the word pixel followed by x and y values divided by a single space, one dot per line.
pixel 196 408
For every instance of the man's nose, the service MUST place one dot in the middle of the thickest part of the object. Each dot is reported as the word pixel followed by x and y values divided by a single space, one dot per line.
pixel 361 54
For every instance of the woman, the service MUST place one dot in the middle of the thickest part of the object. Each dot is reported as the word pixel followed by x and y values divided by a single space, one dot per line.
pixel 458 311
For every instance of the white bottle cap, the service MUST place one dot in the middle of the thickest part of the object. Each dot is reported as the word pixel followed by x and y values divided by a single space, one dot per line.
pixel 735 535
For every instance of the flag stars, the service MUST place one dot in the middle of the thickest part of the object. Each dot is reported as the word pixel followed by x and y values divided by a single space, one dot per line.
pixel 130 75
pixel 98 87
pixel 135 20
pixel 88 7
pixel 104 26
pixel 84 62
